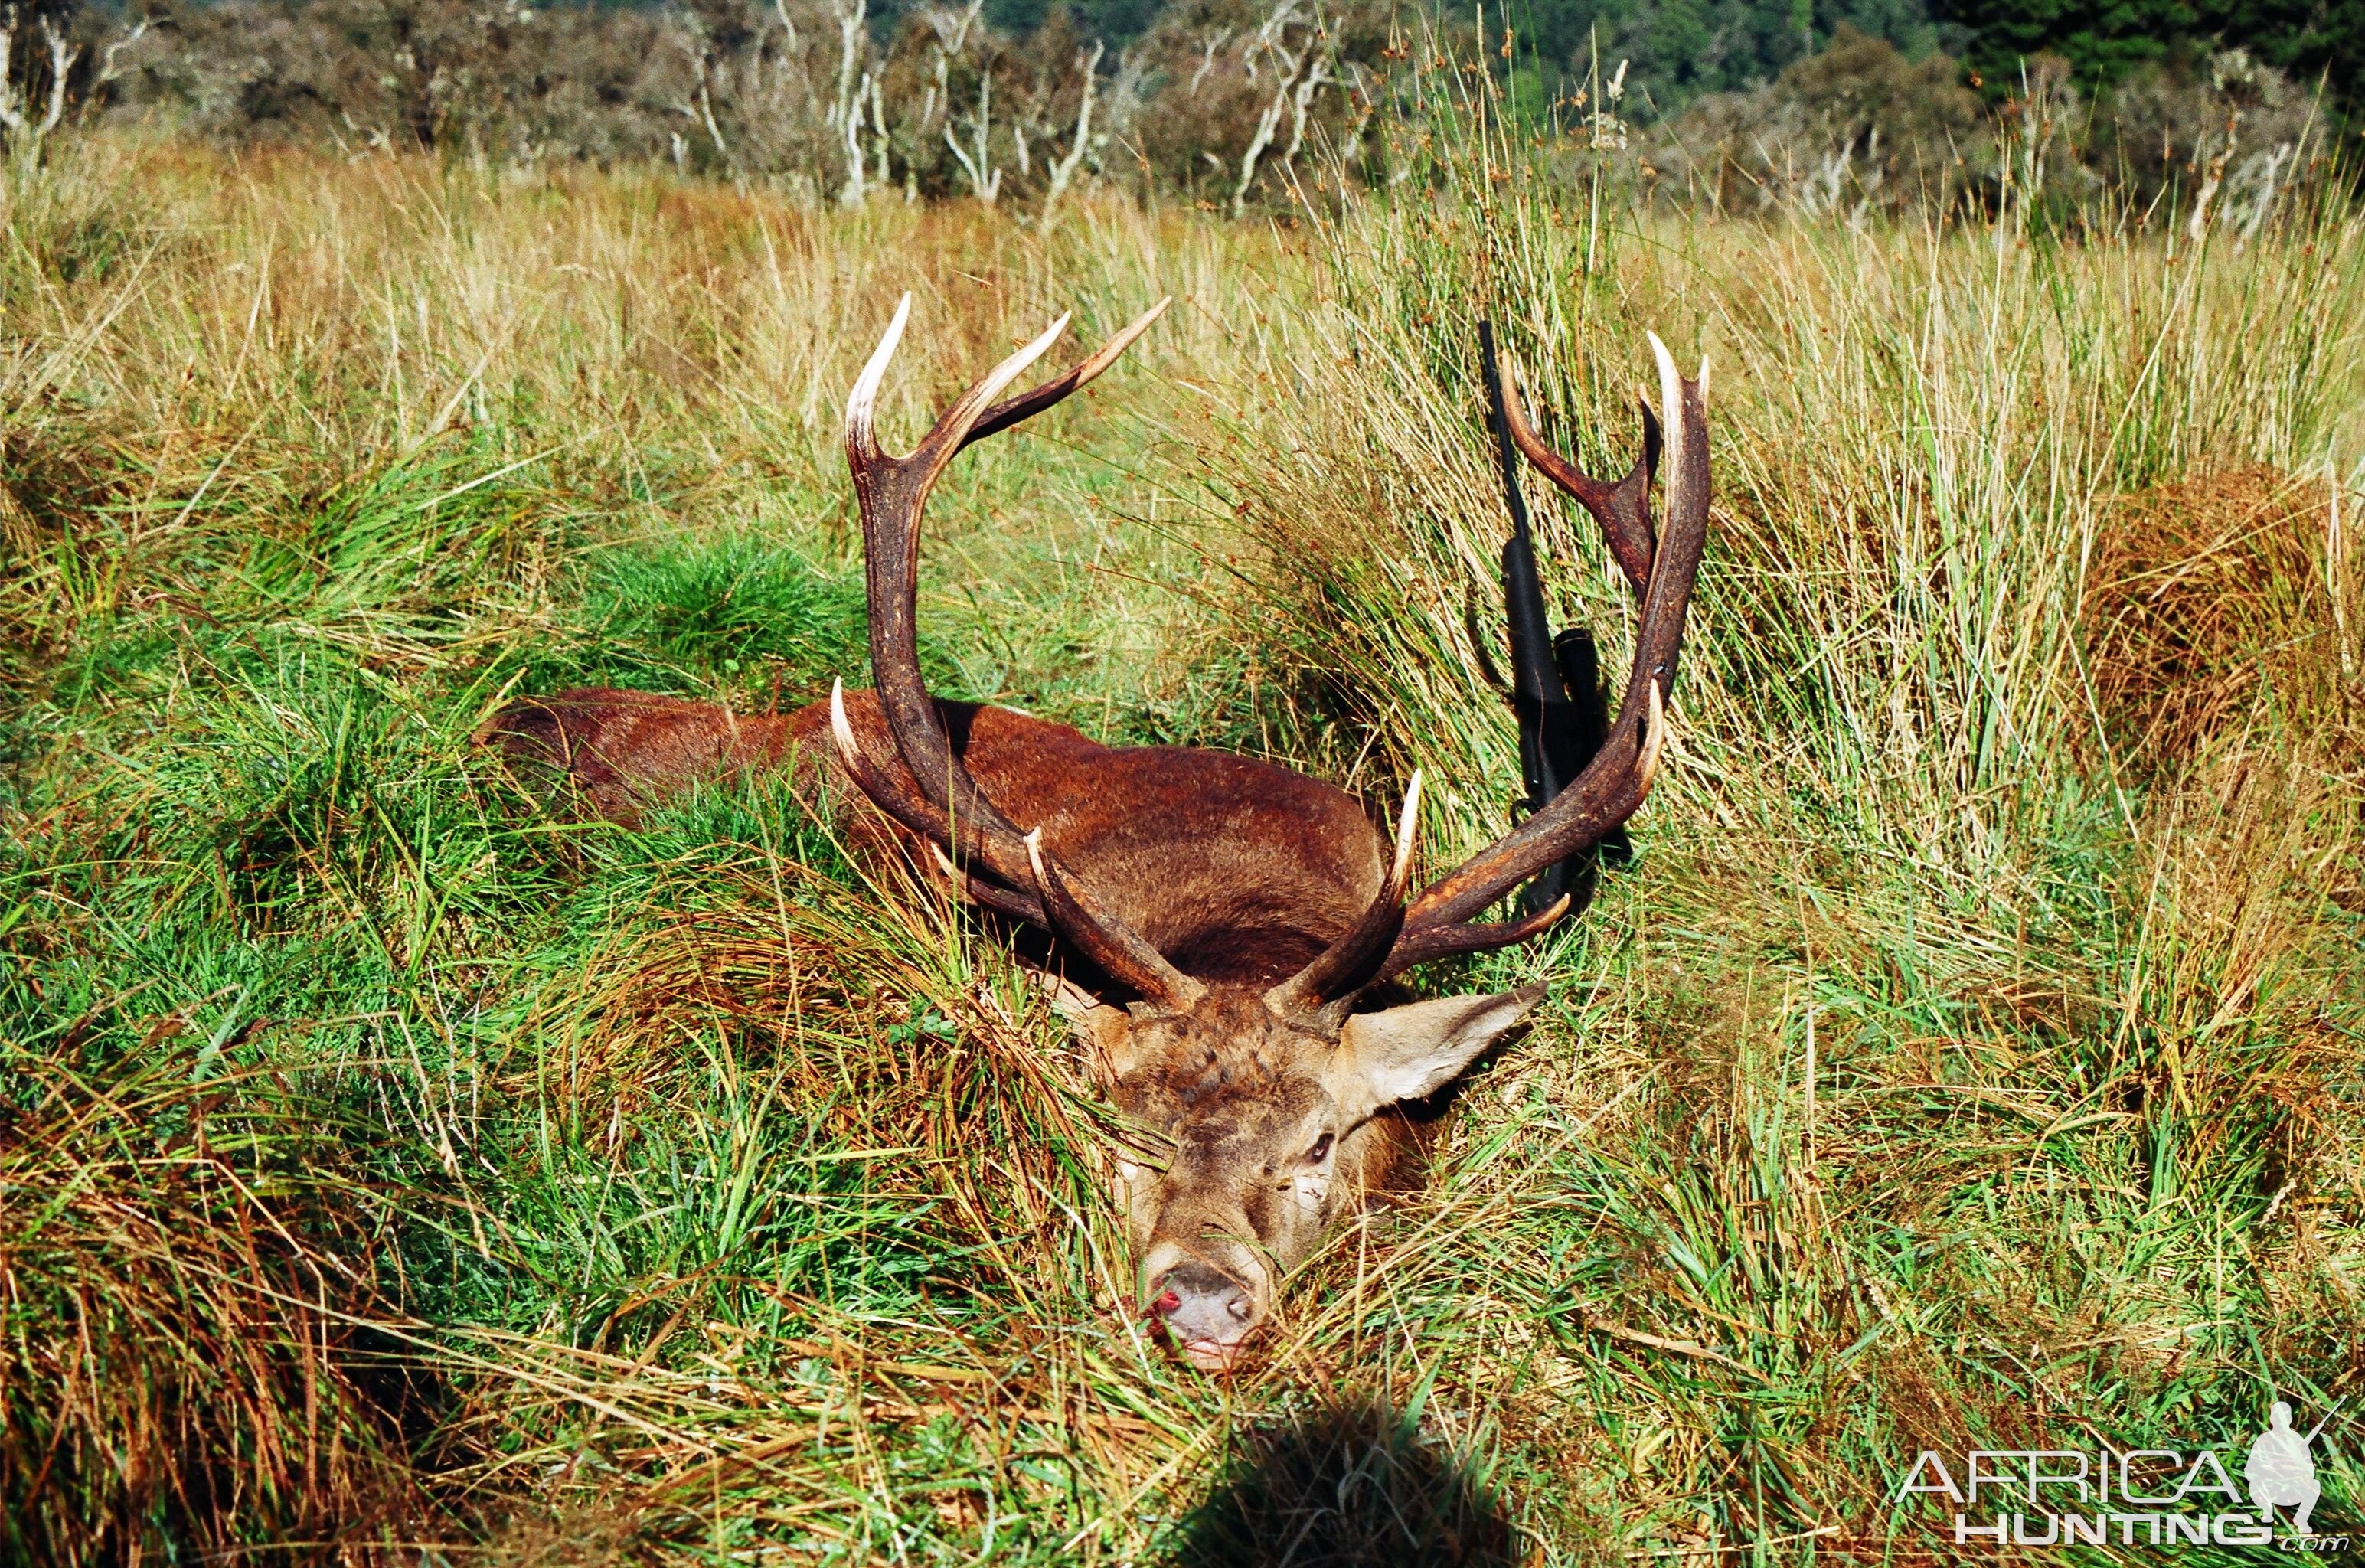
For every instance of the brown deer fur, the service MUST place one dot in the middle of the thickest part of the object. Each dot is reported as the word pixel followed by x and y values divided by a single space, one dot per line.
pixel 1280 863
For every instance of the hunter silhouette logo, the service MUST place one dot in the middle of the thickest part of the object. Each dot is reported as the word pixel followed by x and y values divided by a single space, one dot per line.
pixel 2280 1469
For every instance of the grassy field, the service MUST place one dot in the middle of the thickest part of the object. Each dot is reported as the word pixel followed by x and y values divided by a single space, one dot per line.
pixel 393 1170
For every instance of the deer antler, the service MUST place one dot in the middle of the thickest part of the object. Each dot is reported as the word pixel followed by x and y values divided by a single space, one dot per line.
pixel 1440 920
pixel 935 796
pixel 1351 963
pixel 1624 509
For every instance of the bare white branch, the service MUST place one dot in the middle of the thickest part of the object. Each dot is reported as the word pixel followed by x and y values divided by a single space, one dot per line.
pixel 61 59
pixel 108 67
pixel 12 107
pixel 1064 169
pixel 984 179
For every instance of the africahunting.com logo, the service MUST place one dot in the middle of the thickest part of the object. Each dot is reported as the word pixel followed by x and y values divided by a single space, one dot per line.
pixel 2162 1497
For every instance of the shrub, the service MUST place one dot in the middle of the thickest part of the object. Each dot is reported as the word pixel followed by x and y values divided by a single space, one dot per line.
pixel 2225 133
pixel 1854 129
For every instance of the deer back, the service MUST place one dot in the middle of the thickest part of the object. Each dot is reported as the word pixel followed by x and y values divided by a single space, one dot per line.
pixel 1237 869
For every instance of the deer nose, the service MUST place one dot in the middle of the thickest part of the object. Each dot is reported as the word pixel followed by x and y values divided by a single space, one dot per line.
pixel 1204 1305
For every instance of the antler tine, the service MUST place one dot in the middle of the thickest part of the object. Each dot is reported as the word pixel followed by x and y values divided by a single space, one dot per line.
pixel 1624 509
pixel 992 895
pixel 861 404
pixel 892 792
pixel 955 427
pixel 1470 936
pixel 1350 963
pixel 1033 401
pixel 936 798
pixel 1613 784
pixel 891 493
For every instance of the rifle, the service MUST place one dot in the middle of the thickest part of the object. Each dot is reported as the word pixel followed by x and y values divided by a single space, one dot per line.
pixel 1555 683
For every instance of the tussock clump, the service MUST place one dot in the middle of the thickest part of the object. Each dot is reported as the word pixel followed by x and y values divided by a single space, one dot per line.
pixel 733 608
pixel 762 978
pixel 2245 857
pixel 189 1360
pixel 2199 593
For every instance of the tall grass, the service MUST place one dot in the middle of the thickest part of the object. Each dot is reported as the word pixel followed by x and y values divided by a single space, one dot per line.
pixel 1974 1002
pixel 393 1166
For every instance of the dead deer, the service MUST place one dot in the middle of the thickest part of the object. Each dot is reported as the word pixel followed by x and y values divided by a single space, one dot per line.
pixel 1227 914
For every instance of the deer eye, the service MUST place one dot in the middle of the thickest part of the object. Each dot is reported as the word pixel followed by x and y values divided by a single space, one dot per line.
pixel 1320 1151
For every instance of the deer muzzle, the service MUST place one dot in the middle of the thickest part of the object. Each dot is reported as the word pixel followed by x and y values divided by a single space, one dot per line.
pixel 1210 1313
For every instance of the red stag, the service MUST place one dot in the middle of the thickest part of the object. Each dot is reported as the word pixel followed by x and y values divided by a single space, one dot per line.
pixel 1232 913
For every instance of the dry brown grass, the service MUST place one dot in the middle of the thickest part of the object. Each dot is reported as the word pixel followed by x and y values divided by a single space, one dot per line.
pixel 2207 595
pixel 191 1269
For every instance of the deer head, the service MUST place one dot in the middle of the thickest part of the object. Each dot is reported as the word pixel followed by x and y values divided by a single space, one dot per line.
pixel 1265 1100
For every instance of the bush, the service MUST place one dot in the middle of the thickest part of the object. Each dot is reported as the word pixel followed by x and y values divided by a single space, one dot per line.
pixel 1854 128
pixel 1859 130
pixel 2227 126
pixel 1215 97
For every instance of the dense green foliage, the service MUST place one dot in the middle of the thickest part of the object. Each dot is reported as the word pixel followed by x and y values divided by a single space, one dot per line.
pixel 1677 51
pixel 2103 43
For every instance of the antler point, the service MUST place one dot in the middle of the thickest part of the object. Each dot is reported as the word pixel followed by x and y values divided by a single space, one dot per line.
pixel 1408 832
pixel 1671 411
pixel 861 402
pixel 1655 735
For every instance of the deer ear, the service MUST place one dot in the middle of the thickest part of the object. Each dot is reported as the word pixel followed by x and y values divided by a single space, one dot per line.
pixel 1409 1052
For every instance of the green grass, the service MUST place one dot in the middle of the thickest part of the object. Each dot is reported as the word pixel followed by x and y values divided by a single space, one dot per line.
pixel 386 1160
